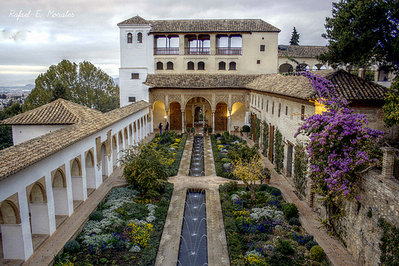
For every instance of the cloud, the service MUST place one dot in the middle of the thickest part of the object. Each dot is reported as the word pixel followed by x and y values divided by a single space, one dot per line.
pixel 43 32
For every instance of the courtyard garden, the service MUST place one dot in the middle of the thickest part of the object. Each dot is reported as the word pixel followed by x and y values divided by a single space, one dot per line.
pixel 127 227
pixel 265 230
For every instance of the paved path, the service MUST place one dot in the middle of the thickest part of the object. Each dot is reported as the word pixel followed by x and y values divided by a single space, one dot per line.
pixel 334 249
pixel 72 226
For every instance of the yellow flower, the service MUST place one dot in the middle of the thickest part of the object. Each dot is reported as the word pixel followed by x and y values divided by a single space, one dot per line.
pixel 140 234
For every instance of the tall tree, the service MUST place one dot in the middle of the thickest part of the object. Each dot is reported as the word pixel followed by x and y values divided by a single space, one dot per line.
pixel 83 84
pixel 5 130
pixel 294 37
pixel 363 32
pixel 391 106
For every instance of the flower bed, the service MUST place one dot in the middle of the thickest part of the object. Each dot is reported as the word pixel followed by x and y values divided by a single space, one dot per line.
pixel 124 230
pixel 225 149
pixel 265 230
pixel 173 146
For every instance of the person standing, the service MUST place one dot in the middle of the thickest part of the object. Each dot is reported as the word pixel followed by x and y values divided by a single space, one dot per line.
pixel 160 128
pixel 167 126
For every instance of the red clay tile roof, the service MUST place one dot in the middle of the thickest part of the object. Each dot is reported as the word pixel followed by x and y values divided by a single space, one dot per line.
pixel 301 51
pixel 354 88
pixel 58 112
pixel 347 85
pixel 199 80
pixel 15 158
pixel 203 25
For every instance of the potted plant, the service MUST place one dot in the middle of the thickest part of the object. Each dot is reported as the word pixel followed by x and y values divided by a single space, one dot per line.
pixel 246 129
pixel 205 131
pixel 210 130
pixel 193 130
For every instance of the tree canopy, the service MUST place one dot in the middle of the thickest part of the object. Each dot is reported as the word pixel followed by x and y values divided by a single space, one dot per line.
pixel 391 106
pixel 294 37
pixel 363 32
pixel 81 83
pixel 5 130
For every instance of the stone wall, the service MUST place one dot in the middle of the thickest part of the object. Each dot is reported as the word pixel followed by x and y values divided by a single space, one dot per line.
pixel 378 199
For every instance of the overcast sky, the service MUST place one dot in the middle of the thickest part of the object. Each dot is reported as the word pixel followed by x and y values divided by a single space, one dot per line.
pixel 35 34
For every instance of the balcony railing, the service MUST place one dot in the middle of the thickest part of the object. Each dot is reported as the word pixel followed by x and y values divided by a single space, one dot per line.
pixel 228 51
pixel 166 51
pixel 196 50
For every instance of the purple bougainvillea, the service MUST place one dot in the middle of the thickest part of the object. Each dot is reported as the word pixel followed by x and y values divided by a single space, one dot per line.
pixel 341 143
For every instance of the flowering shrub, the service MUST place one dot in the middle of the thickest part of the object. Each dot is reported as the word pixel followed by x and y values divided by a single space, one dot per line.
pixel 254 258
pixel 140 233
pixel 341 145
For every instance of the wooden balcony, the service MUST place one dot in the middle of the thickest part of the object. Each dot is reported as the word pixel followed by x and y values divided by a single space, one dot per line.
pixel 228 51
pixel 166 51
pixel 197 51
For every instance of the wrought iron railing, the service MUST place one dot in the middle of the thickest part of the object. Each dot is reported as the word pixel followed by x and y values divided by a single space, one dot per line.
pixel 228 51
pixel 166 51
pixel 196 50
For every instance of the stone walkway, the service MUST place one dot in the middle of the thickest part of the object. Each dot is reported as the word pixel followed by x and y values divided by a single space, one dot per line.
pixel 72 226
pixel 336 252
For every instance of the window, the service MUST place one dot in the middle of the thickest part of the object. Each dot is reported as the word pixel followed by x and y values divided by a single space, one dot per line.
pixel 258 62
pixel 190 65
pixel 139 37
pixel 201 65
pixel 279 109
pixel 267 106
pixel 262 47
pixel 129 38
pixel 132 99
pixel 302 112
pixel 286 110
pixel 232 66
pixel 169 65
pixel 222 65
pixel 159 66
pixel 135 76
pixel 273 108
pixel 262 103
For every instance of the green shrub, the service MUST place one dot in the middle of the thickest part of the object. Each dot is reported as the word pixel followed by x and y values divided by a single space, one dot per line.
pixel 246 128
pixel 96 216
pixel 310 244
pixel 284 247
pixel 146 170
pixel 228 187
pixel 72 246
pixel 290 210
pixel 263 187
pixel 294 221
pixel 317 253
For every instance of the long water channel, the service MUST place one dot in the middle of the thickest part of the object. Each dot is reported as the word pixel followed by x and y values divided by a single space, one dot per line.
pixel 193 240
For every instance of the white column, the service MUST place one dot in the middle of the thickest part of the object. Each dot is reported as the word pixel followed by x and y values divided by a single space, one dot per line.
pixel 182 121
pixel 97 171
pixel 203 115
pixel 23 233
pixel 229 122
pixel 152 121
pixel 69 188
pixel 84 175
pixel 50 203
pixel 213 121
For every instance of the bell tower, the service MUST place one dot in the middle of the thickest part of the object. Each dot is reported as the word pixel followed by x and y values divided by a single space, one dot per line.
pixel 137 59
